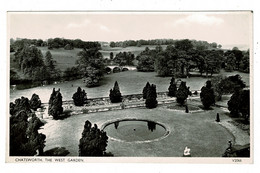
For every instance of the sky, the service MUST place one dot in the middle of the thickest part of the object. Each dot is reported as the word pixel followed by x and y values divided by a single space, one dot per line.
pixel 230 28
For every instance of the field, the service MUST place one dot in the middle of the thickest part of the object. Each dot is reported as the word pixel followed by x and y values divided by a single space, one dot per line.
pixel 67 58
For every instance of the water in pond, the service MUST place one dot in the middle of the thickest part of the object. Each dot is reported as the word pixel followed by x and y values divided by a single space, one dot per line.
pixel 135 130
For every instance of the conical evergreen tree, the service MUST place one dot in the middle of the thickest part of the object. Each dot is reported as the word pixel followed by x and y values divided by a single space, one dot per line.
pixel 172 88
pixel 79 97
pixel 182 93
pixel 151 101
pixel 145 90
pixel 55 104
pixel 115 94
pixel 93 141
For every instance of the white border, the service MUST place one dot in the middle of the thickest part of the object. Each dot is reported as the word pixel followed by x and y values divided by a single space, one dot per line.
pixel 49 5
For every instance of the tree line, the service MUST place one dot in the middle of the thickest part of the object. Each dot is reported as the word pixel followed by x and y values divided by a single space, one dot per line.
pixel 198 44
pixel 182 57
pixel 52 43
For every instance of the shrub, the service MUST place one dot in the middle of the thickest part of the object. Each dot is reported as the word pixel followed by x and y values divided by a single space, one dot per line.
pixel 55 104
pixel 145 90
pixel 24 137
pixel 93 141
pixel 151 101
pixel 35 102
pixel 172 88
pixel 207 95
pixel 182 93
pixel 80 97
pixel 115 95
pixel 20 104
pixel 239 103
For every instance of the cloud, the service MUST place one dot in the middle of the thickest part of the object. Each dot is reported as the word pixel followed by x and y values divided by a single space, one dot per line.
pixel 104 28
pixel 86 22
pixel 199 19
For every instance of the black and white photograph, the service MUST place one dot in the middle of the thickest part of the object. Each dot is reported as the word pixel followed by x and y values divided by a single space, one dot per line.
pixel 161 86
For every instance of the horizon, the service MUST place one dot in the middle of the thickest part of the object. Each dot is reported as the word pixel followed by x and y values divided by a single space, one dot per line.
pixel 225 28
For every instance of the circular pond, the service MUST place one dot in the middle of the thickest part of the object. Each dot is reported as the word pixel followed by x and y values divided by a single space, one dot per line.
pixel 133 130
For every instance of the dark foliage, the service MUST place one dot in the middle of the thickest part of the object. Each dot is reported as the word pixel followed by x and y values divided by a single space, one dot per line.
pixel 207 95
pixel 172 88
pixel 35 102
pixel 182 93
pixel 92 63
pixel 151 101
pixel 227 85
pixel 124 58
pixel 55 104
pixel 24 137
pixel 239 103
pixel 145 89
pixel 93 141
pixel 20 104
pixel 80 97
pixel 115 94
pixel 108 70
pixel 145 63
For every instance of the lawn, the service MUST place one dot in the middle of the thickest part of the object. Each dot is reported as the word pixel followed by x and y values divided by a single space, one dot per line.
pixel 198 131
pixel 64 58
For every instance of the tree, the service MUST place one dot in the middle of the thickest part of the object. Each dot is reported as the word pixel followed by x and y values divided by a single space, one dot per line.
pixel 111 55
pixel 230 62
pixel 39 42
pixel 92 63
pixel 115 94
pixel 24 137
pixel 172 88
pixel 80 97
pixel 151 101
pixel 226 85
pixel 50 66
pixel 29 58
pixel 41 74
pixel 93 141
pixel 239 103
pixel 182 93
pixel 145 89
pixel 125 58
pixel 72 73
pixel 244 107
pixel 35 102
pixel 20 104
pixel 207 95
pixel 55 104
pixel 112 44
pixel 145 63
pixel 184 45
